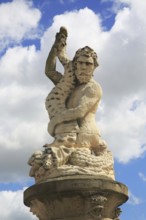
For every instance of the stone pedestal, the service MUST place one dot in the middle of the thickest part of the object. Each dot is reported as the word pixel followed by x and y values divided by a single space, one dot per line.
pixel 76 198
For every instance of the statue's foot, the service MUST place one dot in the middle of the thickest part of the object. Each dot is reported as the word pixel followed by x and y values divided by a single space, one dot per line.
pixel 100 148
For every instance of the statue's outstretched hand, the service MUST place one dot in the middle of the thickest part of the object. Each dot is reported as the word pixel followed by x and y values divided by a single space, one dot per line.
pixel 60 41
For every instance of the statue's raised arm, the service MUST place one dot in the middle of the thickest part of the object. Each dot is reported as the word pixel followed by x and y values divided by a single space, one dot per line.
pixel 58 50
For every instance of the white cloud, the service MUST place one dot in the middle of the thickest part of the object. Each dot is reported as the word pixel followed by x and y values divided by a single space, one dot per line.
pixel 134 200
pixel 79 35
pixel 124 128
pixel 16 62
pixel 18 20
pixel 23 121
pixel 12 206
pixel 142 176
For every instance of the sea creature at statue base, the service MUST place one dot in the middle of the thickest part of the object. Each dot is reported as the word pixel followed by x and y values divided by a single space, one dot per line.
pixel 76 198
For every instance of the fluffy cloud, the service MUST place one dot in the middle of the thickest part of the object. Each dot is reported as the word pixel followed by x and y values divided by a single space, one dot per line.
pixel 18 19
pixel 23 124
pixel 134 200
pixel 76 23
pixel 123 127
pixel 12 206
pixel 142 176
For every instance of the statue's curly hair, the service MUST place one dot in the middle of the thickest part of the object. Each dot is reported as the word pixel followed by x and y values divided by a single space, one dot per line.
pixel 88 52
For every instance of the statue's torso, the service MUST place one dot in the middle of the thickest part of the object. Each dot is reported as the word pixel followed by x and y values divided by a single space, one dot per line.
pixel 87 123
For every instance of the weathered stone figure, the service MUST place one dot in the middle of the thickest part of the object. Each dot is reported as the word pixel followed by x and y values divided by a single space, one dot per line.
pixel 74 99
pixel 74 175
pixel 71 107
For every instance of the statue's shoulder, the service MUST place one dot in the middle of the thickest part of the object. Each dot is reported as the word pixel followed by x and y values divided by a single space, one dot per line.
pixel 94 88
pixel 68 66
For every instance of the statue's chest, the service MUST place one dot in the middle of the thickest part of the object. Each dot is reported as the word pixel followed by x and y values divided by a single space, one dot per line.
pixel 76 95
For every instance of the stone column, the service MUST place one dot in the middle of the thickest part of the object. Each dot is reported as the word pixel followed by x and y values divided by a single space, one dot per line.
pixel 76 198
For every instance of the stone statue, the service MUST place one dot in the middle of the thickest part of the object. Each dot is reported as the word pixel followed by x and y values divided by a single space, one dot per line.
pixel 71 105
pixel 73 101
pixel 74 174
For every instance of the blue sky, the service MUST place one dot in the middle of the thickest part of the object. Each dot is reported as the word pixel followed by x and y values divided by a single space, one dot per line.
pixel 117 32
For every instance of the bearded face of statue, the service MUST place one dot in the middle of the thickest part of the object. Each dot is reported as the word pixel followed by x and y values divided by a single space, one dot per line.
pixel 84 69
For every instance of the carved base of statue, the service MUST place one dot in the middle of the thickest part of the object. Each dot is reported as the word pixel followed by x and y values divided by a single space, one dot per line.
pixel 60 161
pixel 76 198
pixel 74 184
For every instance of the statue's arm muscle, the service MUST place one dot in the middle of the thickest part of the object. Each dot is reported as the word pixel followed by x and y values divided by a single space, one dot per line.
pixel 91 97
pixel 50 68
pixel 87 102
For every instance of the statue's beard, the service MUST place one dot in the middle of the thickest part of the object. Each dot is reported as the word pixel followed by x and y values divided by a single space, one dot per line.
pixel 83 78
